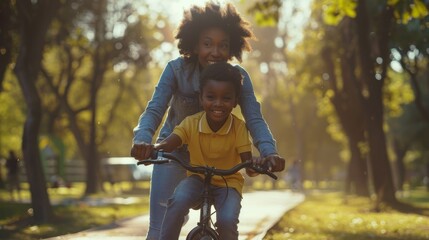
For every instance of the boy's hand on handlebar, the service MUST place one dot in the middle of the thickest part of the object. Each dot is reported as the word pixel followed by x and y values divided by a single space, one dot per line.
pixel 274 162
pixel 256 161
pixel 141 151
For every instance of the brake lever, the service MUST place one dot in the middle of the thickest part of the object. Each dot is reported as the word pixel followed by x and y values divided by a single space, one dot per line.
pixel 153 161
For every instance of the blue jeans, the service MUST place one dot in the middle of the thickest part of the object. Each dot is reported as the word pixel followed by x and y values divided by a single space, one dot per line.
pixel 165 178
pixel 227 202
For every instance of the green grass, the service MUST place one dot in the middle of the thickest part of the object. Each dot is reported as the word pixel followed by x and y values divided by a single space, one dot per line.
pixel 330 216
pixel 16 221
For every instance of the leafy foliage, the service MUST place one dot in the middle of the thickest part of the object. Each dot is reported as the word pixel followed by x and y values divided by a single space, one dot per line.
pixel 12 116
pixel 266 12
pixel 405 10
pixel 335 11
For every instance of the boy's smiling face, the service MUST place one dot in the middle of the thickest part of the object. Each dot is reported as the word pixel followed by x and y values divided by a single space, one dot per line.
pixel 218 98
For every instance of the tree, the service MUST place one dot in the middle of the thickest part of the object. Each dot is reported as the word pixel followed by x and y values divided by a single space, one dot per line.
pixel 89 93
pixel 345 100
pixel 373 38
pixel 409 131
pixel 34 20
pixel 363 68
pixel 287 91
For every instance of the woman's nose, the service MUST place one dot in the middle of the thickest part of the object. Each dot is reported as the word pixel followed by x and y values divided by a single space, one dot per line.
pixel 215 51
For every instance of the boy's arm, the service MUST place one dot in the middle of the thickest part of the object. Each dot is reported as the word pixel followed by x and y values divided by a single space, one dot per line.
pixel 169 144
pixel 247 156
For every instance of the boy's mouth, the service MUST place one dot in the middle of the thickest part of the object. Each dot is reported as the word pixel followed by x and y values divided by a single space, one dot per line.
pixel 218 113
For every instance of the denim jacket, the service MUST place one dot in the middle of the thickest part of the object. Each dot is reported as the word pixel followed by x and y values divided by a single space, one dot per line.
pixel 178 91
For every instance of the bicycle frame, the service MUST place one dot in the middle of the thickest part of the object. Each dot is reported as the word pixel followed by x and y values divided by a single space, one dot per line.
pixel 203 230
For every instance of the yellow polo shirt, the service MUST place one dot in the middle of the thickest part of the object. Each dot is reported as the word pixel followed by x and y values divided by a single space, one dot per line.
pixel 219 149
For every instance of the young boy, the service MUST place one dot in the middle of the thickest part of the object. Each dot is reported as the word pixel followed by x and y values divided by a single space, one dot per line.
pixel 215 137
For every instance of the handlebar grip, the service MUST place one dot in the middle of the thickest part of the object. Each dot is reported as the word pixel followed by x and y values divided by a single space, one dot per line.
pixel 152 161
pixel 272 175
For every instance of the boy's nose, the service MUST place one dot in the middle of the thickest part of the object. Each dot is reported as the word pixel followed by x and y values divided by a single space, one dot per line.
pixel 218 102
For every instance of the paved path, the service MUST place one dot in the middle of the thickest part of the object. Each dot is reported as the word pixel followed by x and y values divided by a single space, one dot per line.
pixel 260 211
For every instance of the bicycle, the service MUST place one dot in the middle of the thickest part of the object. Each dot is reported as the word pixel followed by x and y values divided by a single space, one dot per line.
pixel 204 229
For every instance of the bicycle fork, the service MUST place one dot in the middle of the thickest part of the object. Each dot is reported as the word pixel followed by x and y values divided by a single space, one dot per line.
pixel 205 213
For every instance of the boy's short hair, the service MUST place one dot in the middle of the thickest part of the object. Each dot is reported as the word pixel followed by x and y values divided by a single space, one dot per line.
pixel 222 71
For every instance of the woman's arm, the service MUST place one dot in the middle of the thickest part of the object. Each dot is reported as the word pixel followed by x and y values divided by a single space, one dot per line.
pixel 258 128
pixel 251 110
pixel 151 118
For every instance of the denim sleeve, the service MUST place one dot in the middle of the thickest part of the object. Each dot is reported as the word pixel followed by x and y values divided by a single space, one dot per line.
pixel 251 110
pixel 151 118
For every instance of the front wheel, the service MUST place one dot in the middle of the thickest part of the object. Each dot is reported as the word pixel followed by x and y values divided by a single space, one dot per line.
pixel 198 233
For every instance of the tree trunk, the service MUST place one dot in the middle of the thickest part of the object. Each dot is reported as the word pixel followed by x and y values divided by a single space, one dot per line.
pixel 357 173
pixel 400 172
pixel 34 19
pixel 350 115
pixel 93 176
pixel 427 177
pixel 382 173
pixel 93 173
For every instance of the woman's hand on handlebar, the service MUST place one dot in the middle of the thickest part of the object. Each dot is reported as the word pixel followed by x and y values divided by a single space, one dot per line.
pixel 261 165
pixel 274 162
pixel 142 151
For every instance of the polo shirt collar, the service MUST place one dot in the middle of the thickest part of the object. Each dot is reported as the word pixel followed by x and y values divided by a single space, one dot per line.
pixel 203 125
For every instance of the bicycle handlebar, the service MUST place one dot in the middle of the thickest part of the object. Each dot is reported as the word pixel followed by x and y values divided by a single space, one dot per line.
pixel 160 157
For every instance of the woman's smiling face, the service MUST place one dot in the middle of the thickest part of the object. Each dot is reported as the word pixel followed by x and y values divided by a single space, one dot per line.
pixel 218 98
pixel 213 46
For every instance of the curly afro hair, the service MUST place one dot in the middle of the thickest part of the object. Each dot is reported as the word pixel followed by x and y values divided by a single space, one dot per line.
pixel 196 19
